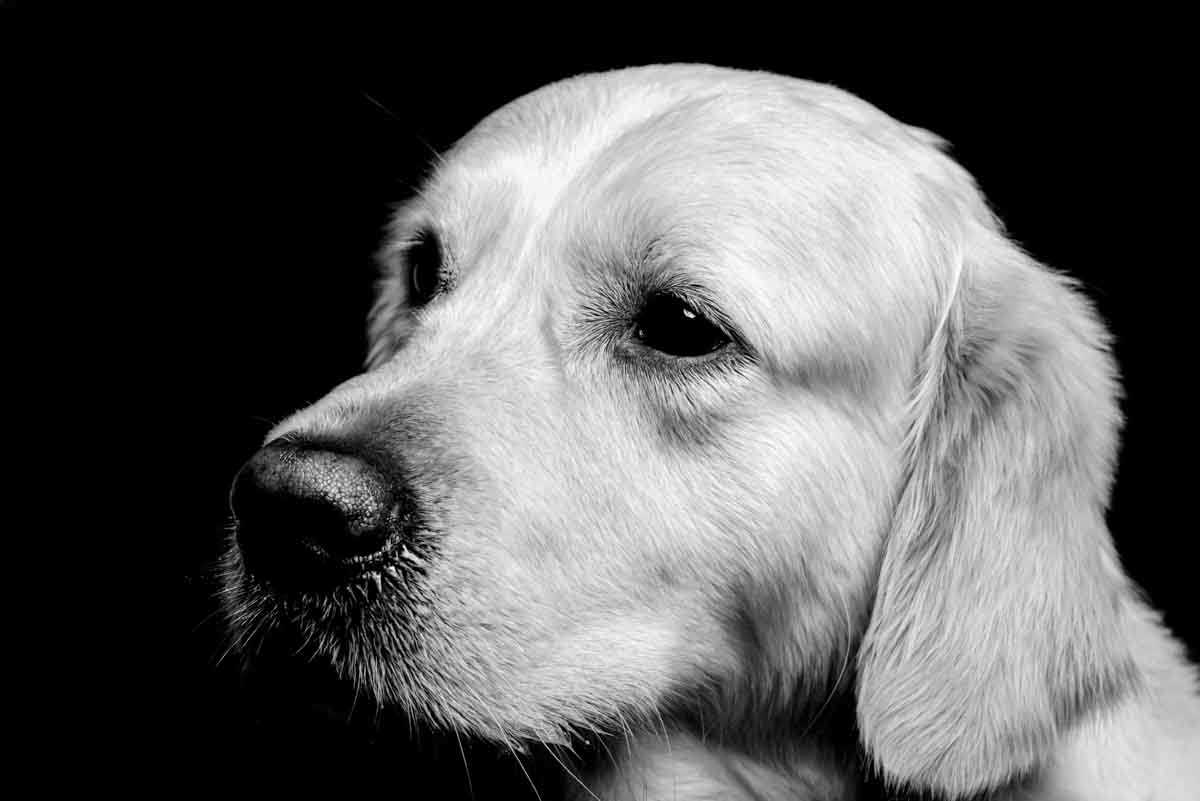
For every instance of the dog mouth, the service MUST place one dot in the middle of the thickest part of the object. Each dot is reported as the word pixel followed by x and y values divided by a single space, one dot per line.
pixel 305 568
pixel 310 663
pixel 349 614
pixel 303 712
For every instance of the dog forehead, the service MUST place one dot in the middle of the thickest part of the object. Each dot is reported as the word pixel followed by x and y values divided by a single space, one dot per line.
pixel 806 198
pixel 545 139
pixel 716 144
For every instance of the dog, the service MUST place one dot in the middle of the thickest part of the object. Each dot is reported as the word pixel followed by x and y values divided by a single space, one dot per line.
pixel 711 420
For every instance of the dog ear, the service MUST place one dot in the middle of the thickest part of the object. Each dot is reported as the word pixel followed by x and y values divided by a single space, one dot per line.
pixel 997 620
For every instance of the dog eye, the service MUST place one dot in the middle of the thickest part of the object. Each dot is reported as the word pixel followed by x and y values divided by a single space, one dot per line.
pixel 669 324
pixel 424 259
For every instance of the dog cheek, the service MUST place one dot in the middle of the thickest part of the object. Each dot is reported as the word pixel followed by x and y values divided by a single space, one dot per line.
pixel 808 499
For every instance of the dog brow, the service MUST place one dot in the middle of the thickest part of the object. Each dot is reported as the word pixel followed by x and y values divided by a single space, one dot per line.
pixel 675 264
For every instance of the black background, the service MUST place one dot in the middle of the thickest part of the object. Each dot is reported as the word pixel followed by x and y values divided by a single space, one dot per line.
pixel 271 179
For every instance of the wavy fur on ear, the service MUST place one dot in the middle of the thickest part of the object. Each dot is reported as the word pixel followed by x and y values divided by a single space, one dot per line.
pixel 996 622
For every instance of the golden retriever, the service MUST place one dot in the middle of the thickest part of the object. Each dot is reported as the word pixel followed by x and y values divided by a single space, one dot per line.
pixel 712 418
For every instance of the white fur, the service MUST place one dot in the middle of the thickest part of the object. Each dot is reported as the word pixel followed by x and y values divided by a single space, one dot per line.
pixel 892 506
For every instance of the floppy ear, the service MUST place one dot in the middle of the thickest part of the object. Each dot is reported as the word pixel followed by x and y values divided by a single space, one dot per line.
pixel 998 620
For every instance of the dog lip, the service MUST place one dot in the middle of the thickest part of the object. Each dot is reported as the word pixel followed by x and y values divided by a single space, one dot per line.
pixel 308 567
pixel 391 555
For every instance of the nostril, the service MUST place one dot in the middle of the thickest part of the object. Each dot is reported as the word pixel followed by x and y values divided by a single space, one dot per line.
pixel 308 515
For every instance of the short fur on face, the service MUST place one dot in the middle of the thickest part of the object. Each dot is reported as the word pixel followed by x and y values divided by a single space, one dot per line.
pixel 889 488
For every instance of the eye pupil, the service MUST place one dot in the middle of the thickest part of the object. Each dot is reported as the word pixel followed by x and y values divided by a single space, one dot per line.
pixel 424 268
pixel 668 324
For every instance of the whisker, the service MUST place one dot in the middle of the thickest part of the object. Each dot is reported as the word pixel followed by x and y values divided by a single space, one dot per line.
pixel 841 673
pixel 571 773
pixel 670 755
pixel 505 739
pixel 438 158
pixel 466 768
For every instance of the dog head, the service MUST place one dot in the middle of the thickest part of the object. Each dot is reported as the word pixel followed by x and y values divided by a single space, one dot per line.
pixel 693 391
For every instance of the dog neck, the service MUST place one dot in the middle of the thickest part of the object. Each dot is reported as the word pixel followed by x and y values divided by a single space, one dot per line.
pixel 681 766
pixel 1145 746
pixel 1148 744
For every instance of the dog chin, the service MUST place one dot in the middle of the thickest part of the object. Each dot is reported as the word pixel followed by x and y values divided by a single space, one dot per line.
pixel 306 705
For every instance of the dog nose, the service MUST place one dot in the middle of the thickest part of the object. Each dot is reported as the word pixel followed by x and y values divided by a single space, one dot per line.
pixel 309 518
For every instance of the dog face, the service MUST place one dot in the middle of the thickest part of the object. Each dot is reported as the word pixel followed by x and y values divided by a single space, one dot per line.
pixel 666 367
